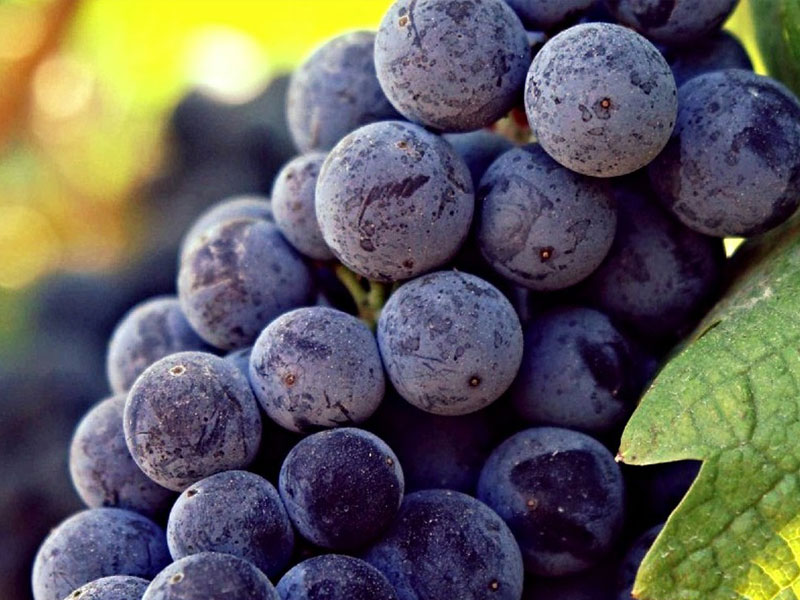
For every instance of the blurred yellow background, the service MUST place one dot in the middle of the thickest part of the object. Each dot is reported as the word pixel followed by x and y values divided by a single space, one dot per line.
pixel 84 89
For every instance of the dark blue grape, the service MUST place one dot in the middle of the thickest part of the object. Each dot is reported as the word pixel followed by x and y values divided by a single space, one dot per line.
pixel 293 205
pixel 659 276
pixel 97 543
pixel 577 372
pixel 626 575
pixel 541 225
pixel 436 452
pixel 394 201
pixel 453 66
pixel 210 576
pixel 601 100
pixel 335 577
pixel 451 342
pixel 191 415
pixel 547 14
pixel 677 22
pixel 562 495
pixel 115 587
pixel 317 367
pixel 335 91
pixel 102 469
pixel 341 487
pixel 234 512
pixel 479 149
pixel 148 332
pixel 236 278
pixel 715 53
pixel 445 545
pixel 732 166
pixel 230 209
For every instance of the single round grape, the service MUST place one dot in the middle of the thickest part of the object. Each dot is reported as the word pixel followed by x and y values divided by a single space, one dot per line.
pixel 445 545
pixel 660 275
pixel 210 576
pixel 715 53
pixel 317 367
pixel 541 225
pixel 479 149
pixel 234 512
pixel 335 91
pixel 236 278
pixel 732 167
pixel 676 22
pixel 436 452
pixel 334 577
pixel 543 15
pixel 293 205
pixel 149 331
pixel 341 487
pixel 562 495
pixel 452 66
pixel 626 575
pixel 577 371
pixel 230 209
pixel 394 201
pixel 451 342
pixel 96 543
pixel 102 469
pixel 191 415
pixel 114 587
pixel 601 99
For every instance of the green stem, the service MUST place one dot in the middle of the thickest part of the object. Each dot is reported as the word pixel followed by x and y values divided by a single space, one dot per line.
pixel 369 301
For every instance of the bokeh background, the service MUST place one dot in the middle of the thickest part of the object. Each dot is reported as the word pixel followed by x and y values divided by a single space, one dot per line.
pixel 120 121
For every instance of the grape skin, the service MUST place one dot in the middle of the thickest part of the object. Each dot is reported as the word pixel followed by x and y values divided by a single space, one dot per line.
pixel 334 92
pixel 191 415
pixel 444 545
pixel 394 201
pixel 95 543
pixel 601 99
pixel 238 277
pixel 341 487
pixel 102 469
pixel 210 576
pixel 233 512
pixel 676 22
pixel 451 342
pixel 293 205
pixel 317 367
pixel 577 372
pixel 149 331
pixel 732 167
pixel 451 66
pixel 541 225
pixel 561 493
pixel 114 587
pixel 334 577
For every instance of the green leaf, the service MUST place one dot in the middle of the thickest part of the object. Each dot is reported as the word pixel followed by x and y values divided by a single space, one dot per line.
pixel 777 24
pixel 731 397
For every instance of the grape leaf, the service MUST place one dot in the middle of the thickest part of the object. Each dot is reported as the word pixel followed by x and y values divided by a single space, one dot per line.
pixel 777 25
pixel 731 397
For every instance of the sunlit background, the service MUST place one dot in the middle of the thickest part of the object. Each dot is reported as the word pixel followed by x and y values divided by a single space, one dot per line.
pixel 93 194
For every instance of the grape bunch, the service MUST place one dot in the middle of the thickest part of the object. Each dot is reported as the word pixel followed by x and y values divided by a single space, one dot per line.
pixel 403 375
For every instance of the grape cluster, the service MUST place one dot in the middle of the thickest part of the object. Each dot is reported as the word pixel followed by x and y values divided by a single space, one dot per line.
pixel 445 428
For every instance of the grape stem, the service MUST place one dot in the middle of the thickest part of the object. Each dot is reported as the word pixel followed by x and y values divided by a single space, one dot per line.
pixel 369 296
